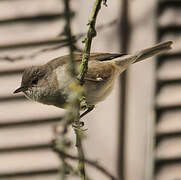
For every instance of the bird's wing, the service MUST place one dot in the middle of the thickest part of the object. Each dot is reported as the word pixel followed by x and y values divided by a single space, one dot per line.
pixel 78 57
pixel 104 56
pixel 98 71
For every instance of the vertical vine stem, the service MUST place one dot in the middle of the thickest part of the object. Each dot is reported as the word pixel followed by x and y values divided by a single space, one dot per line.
pixel 83 70
pixel 88 40
pixel 76 90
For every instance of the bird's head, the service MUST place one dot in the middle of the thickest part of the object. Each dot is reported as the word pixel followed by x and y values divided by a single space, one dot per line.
pixel 32 83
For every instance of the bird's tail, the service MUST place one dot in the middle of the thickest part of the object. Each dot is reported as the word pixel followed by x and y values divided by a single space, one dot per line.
pixel 157 49
pixel 125 61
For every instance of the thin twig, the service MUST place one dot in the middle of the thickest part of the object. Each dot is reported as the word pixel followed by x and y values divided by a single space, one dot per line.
pixel 90 162
pixel 74 100
pixel 88 40
pixel 83 70
pixel 81 155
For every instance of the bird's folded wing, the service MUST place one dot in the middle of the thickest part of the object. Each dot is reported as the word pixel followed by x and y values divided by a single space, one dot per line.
pixel 104 56
pixel 93 56
pixel 97 70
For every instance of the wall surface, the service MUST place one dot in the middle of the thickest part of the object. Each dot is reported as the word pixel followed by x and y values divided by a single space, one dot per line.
pixel 141 94
pixel 102 134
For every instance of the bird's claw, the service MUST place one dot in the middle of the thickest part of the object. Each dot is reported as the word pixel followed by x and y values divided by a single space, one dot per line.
pixel 80 125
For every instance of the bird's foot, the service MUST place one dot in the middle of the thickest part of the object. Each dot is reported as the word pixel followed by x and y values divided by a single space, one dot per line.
pixel 89 109
pixel 83 103
pixel 78 125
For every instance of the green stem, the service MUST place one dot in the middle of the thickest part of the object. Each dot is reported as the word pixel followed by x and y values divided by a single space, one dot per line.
pixel 81 165
pixel 75 101
pixel 75 88
pixel 88 40
pixel 83 70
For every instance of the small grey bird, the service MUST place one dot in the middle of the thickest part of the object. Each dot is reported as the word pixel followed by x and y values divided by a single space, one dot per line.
pixel 49 83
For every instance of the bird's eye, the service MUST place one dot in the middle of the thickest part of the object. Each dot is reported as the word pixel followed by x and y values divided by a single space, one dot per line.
pixel 35 81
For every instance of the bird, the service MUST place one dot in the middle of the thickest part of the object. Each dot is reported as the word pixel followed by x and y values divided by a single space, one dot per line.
pixel 49 83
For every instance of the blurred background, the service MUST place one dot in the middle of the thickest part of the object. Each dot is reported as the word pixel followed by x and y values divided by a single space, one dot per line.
pixel 136 132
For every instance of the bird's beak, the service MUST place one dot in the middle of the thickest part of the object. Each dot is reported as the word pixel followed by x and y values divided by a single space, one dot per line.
pixel 21 89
